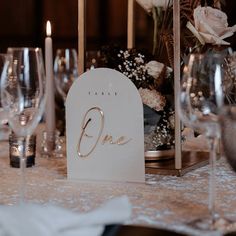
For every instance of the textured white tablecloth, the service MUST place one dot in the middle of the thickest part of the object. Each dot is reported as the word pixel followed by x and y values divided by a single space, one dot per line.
pixel 164 201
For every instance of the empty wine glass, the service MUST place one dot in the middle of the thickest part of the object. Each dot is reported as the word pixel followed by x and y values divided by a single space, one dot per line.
pixel 201 97
pixel 65 70
pixel 92 59
pixel 228 127
pixel 4 128
pixel 228 115
pixel 23 97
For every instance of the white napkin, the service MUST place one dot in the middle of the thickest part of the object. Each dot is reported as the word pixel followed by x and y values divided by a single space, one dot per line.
pixel 48 220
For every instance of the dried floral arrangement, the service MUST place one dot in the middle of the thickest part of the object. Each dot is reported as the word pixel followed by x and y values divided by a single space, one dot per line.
pixel 203 27
pixel 154 82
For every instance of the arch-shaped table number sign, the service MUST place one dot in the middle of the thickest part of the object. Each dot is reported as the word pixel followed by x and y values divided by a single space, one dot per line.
pixel 104 126
pixel 183 161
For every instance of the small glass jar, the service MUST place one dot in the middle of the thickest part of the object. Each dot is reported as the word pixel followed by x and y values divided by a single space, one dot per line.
pixel 52 145
pixel 15 148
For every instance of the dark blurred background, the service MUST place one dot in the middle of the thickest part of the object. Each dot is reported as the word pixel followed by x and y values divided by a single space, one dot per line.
pixel 23 23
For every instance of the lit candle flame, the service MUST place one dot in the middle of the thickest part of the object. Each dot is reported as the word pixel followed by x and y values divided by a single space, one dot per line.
pixel 48 28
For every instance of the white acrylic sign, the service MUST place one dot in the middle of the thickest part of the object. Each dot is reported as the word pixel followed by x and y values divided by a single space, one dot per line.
pixel 104 128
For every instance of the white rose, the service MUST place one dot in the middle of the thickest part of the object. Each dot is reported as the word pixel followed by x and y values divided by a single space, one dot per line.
pixel 161 3
pixel 154 68
pixel 149 4
pixel 146 4
pixel 211 26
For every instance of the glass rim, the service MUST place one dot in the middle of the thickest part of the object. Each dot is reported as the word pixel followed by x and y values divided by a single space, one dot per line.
pixel 64 49
pixel 24 48
pixel 207 54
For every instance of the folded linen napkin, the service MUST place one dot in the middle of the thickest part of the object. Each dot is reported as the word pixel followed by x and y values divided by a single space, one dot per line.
pixel 49 220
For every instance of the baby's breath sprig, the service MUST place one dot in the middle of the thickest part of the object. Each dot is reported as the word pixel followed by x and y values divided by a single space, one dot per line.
pixel 131 63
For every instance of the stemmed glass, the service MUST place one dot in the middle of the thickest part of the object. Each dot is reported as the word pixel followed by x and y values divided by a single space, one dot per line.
pixel 228 118
pixel 201 97
pixel 65 70
pixel 92 59
pixel 4 129
pixel 23 96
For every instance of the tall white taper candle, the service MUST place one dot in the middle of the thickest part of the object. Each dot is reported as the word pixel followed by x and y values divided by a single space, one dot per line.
pixel 130 25
pixel 81 35
pixel 50 102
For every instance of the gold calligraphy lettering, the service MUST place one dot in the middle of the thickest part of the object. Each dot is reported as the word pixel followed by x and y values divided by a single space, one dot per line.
pixel 83 131
pixel 122 140
pixel 109 139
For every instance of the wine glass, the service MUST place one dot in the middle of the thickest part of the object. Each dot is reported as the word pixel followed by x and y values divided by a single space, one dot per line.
pixel 65 70
pixel 4 128
pixel 202 95
pixel 92 59
pixel 228 116
pixel 228 127
pixel 23 97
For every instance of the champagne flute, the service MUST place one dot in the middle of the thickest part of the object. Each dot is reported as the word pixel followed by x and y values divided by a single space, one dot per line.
pixel 201 97
pixel 23 97
pixel 65 70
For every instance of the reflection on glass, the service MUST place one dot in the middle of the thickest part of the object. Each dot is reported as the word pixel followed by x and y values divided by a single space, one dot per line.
pixel 4 128
pixel 65 70
pixel 92 59
pixel 202 95
pixel 23 97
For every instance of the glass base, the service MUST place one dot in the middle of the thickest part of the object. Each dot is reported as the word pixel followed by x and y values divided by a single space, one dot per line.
pixel 52 145
pixel 15 161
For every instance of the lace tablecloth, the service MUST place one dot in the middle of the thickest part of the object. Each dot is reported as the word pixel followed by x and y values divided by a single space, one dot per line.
pixel 163 201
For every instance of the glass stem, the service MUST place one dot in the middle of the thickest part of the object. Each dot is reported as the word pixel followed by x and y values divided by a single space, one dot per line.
pixel 22 170
pixel 212 177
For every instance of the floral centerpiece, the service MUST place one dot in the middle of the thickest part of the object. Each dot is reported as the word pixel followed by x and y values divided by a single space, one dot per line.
pixel 153 80
pixel 203 27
